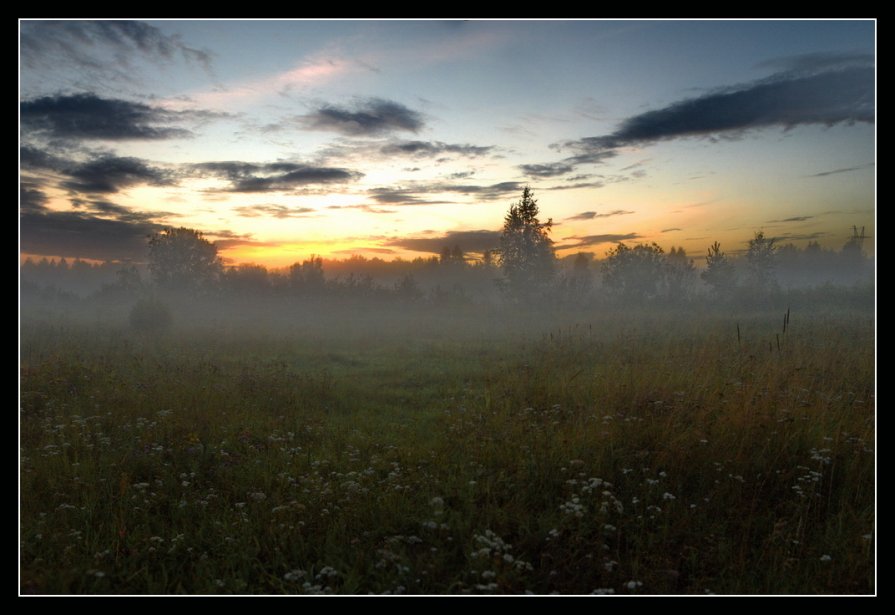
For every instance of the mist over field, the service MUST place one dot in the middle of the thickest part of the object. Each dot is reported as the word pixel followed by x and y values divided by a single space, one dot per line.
pixel 359 318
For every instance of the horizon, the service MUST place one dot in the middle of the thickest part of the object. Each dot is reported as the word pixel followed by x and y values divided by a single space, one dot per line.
pixel 279 140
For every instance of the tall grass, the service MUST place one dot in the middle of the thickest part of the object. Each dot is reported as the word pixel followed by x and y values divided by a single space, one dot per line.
pixel 617 454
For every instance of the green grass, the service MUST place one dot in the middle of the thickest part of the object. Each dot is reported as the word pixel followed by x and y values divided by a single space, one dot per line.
pixel 637 454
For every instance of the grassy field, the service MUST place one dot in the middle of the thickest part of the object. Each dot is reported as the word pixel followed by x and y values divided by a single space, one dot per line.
pixel 634 454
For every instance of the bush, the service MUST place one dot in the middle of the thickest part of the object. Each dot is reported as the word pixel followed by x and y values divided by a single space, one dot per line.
pixel 150 316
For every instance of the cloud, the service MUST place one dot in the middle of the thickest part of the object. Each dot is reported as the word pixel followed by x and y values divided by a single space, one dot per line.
pixel 489 191
pixel 109 174
pixel 546 170
pixel 799 236
pixel 31 198
pixel 370 117
pixel 80 234
pixel 793 219
pixel 469 241
pixel 411 195
pixel 401 198
pixel 373 250
pixel 584 215
pixel 274 211
pixel 367 208
pixel 785 100
pixel 272 176
pixel 88 116
pixel 594 240
pixel 314 70
pixel 226 244
pixel 590 215
pixel 579 185
pixel 36 159
pixel 107 209
pixel 825 89
pixel 845 170
pixel 89 45
pixel 669 230
pixel 101 174
pixel 430 149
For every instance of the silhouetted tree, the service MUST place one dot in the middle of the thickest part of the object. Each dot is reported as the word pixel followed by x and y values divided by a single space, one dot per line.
pixel 679 274
pixel 718 272
pixel 452 256
pixel 308 277
pixel 247 279
pixel 182 259
pixel 635 273
pixel 853 251
pixel 761 262
pixel 407 289
pixel 526 250
pixel 577 283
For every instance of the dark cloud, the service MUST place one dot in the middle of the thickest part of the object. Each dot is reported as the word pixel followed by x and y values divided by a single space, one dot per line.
pixel 594 240
pixel 589 215
pixel 785 100
pixel 368 117
pixel 31 198
pixel 824 89
pixel 274 176
pixel 226 244
pixel 584 215
pixel 36 159
pixel 81 234
pixel 402 197
pixel 826 98
pixel 597 184
pixel 274 211
pixel 111 174
pixel 590 150
pixel 669 230
pixel 373 250
pixel 101 174
pixel 88 45
pixel 845 170
pixel 799 236
pixel 793 219
pixel 107 209
pixel 469 241
pixel 546 170
pixel 88 116
pixel 431 149
pixel 412 195
pixel 489 192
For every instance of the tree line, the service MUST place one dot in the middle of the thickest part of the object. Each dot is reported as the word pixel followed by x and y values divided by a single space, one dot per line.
pixel 524 268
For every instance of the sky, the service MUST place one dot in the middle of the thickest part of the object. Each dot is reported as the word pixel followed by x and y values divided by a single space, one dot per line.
pixel 393 139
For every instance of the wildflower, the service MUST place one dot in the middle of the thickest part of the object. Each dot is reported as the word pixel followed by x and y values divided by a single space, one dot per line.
pixel 825 558
pixel 667 496
pixel 294 575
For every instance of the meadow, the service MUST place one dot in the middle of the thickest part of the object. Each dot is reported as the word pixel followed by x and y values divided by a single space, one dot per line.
pixel 451 452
